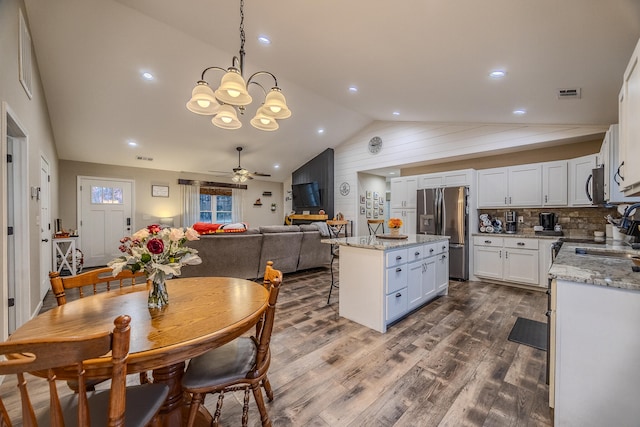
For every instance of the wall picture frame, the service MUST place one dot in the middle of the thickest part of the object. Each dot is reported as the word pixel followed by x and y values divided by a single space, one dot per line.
pixel 375 195
pixel 368 204
pixel 368 194
pixel 362 199
pixel 368 213
pixel 159 191
pixel 362 210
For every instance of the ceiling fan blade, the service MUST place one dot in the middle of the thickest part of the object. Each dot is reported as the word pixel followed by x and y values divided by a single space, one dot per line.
pixel 261 174
pixel 220 172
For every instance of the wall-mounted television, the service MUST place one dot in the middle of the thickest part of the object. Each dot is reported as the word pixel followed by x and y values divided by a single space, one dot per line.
pixel 306 196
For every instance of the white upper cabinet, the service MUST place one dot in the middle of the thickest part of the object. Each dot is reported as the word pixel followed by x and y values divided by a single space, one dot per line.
pixel 630 125
pixel 610 157
pixel 514 186
pixel 404 192
pixel 554 183
pixel 581 180
pixel 446 179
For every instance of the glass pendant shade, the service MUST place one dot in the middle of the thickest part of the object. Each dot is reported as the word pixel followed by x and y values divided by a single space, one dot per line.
pixel 263 122
pixel 226 118
pixel 202 100
pixel 275 105
pixel 233 89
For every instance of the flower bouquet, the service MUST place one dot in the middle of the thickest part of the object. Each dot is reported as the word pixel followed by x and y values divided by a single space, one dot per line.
pixel 161 253
pixel 394 225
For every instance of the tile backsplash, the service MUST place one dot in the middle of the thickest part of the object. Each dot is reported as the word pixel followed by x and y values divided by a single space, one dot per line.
pixel 576 222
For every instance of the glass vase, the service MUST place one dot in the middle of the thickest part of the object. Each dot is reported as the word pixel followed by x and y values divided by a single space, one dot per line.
pixel 158 296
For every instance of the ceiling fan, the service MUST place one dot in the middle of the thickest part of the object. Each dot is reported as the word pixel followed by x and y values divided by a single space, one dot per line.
pixel 241 174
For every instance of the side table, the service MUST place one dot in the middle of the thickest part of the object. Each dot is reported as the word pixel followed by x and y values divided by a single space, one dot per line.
pixel 65 255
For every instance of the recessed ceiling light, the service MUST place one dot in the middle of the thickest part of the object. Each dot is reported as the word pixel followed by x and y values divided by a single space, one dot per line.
pixel 147 75
pixel 392 173
pixel 497 74
pixel 264 40
pixel 320 131
pixel 132 143
pixel 519 112
pixel 353 89
pixel 396 113
pixel 276 166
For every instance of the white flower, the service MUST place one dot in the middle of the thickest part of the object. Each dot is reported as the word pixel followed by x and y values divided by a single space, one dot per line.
pixel 191 234
pixel 140 234
pixel 176 234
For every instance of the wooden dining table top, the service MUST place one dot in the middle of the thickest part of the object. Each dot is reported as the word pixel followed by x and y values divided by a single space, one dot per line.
pixel 203 313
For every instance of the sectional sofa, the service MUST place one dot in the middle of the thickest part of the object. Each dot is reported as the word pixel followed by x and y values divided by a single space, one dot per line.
pixel 245 255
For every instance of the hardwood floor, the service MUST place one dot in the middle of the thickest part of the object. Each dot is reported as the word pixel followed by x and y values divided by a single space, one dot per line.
pixel 448 364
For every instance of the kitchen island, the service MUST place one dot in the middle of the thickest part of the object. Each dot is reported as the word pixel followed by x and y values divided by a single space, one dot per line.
pixel 595 344
pixel 383 280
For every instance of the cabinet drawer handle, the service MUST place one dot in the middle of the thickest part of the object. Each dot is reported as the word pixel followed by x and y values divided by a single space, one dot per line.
pixel 431 250
pixel 546 199
pixel 505 200
pixel 398 295
pixel 417 253
pixel 444 256
pixel 500 254
pixel 520 243
pixel 398 270
pixel 444 247
pixel 398 258
pixel 488 242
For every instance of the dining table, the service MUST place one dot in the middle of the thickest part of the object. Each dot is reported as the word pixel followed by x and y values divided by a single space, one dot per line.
pixel 203 313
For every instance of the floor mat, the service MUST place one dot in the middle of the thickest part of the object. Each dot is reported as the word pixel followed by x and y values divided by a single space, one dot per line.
pixel 529 332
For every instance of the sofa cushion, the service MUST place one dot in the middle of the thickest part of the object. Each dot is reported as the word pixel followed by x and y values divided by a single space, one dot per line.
pixel 227 255
pixel 208 228
pixel 282 248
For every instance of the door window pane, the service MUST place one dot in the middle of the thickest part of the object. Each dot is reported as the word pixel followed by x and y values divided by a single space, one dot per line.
pixel 106 195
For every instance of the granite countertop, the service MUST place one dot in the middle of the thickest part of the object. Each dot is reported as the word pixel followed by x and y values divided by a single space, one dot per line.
pixel 373 242
pixel 597 269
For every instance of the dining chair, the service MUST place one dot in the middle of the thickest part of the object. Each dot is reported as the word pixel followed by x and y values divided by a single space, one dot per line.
pixel 61 284
pixel 374 226
pixel 91 279
pixel 239 365
pixel 117 406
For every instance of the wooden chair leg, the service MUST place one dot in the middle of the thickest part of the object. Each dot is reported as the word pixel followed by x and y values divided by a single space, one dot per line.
pixel 196 400
pixel 245 408
pixel 267 388
pixel 216 416
pixel 264 415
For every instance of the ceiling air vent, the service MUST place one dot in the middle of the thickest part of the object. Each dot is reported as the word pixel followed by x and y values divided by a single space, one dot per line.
pixel 573 93
pixel 149 159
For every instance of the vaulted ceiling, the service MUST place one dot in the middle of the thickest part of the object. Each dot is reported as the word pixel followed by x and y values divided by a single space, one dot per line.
pixel 426 60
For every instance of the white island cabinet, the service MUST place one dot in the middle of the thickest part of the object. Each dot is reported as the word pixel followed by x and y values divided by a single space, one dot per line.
pixel 383 280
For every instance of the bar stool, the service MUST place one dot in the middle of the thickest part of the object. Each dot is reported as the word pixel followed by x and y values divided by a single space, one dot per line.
pixel 375 225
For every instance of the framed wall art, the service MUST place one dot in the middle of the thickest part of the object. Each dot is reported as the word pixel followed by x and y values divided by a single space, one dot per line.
pixel 160 191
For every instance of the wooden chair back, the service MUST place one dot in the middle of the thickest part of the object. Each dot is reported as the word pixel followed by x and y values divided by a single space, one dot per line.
pixel 46 354
pixel 93 278
pixel 273 280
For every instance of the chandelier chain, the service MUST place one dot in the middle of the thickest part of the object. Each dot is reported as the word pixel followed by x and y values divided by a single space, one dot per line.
pixel 242 36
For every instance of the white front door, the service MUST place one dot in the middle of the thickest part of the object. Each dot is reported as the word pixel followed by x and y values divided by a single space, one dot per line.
pixel 105 217
pixel 46 234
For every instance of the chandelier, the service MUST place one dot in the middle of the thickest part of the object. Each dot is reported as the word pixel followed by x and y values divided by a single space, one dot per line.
pixel 233 95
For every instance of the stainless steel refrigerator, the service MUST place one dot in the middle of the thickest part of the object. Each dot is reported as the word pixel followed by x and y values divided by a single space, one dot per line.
pixel 444 212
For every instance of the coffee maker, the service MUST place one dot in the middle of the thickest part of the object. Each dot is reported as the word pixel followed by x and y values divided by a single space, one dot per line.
pixel 547 221
pixel 510 222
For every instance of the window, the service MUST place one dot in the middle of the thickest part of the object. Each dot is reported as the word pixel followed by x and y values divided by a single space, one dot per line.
pixel 215 205
pixel 106 195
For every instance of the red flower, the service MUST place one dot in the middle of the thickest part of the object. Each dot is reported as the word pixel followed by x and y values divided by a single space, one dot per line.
pixel 154 228
pixel 155 246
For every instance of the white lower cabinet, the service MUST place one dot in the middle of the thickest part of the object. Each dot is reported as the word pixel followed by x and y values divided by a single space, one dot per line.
pixel 508 259
pixel 378 287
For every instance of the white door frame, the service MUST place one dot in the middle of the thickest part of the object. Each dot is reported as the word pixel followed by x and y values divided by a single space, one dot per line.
pixel 44 196
pixel 11 126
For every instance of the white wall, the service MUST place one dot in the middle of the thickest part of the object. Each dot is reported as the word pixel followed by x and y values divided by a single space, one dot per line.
pixel 33 115
pixel 149 209
pixel 373 183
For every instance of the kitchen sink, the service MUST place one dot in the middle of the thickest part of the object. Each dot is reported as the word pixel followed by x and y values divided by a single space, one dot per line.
pixel 600 252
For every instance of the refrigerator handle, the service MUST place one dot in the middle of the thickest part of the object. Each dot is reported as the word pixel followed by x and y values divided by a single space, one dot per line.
pixel 443 212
